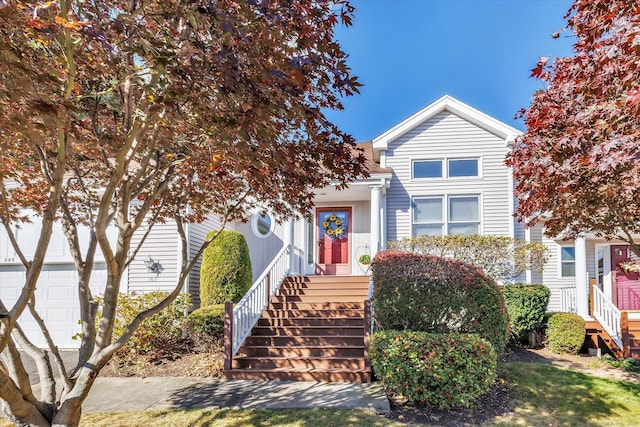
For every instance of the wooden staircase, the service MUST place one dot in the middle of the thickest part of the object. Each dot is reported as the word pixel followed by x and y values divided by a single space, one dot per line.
pixel 313 330
pixel 630 338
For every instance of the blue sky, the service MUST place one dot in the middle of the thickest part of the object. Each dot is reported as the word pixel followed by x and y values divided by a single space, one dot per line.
pixel 408 53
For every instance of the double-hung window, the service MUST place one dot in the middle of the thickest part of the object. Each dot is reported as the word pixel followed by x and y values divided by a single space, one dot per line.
pixel 567 261
pixel 452 214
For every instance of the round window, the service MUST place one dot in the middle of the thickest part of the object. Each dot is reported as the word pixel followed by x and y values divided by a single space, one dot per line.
pixel 262 225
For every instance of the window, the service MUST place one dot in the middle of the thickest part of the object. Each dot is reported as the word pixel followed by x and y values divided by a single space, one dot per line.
pixel 567 261
pixel 462 167
pixel 456 168
pixel 462 215
pixel 262 225
pixel 427 216
pixel 427 169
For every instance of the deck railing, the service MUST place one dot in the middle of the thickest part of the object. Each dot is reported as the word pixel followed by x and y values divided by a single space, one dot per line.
pixel 607 314
pixel 568 299
pixel 239 320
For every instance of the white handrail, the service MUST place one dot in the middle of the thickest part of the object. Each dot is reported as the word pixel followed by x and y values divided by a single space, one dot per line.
pixel 608 315
pixel 247 312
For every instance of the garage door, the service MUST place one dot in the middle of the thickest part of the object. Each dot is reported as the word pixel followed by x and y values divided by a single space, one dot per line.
pixel 56 300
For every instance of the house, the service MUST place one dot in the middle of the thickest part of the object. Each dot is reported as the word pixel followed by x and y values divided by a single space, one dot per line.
pixel 440 171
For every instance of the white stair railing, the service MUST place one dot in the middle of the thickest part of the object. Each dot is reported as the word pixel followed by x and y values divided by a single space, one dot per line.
pixel 249 309
pixel 568 299
pixel 608 315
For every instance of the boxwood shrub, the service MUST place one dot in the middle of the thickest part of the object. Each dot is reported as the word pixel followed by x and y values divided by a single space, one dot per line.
pixel 225 273
pixel 565 333
pixel 444 370
pixel 431 294
pixel 526 305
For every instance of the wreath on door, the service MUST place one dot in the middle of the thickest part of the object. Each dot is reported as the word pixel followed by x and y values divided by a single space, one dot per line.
pixel 334 227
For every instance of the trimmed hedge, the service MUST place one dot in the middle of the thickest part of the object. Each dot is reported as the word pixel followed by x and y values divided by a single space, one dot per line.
pixel 565 333
pixel 431 294
pixel 444 370
pixel 225 273
pixel 526 305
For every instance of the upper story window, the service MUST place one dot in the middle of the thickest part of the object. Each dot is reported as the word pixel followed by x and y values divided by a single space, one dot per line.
pixel 455 168
pixel 262 225
pixel 427 169
pixel 567 261
pixel 462 215
pixel 463 168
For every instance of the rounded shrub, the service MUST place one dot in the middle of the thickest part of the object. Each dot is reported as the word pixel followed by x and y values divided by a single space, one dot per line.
pixel 427 293
pixel 526 305
pixel 205 327
pixel 225 273
pixel 444 370
pixel 565 333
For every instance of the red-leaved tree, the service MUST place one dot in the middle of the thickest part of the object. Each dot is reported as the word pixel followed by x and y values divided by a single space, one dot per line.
pixel 121 114
pixel 577 166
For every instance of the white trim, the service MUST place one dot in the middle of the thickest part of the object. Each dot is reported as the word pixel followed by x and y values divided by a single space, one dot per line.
pixel 454 106
pixel 566 245
pixel 254 225
pixel 527 238
pixel 445 197
pixel 582 278
pixel 606 274
pixel 512 207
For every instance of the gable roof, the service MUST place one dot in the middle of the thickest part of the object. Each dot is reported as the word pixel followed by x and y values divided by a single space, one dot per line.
pixel 453 106
pixel 371 165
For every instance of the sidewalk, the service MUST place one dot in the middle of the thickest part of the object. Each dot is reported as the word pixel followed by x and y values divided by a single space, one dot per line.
pixel 175 393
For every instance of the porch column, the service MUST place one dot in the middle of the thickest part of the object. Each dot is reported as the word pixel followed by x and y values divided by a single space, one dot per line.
pixel 582 279
pixel 290 240
pixel 375 234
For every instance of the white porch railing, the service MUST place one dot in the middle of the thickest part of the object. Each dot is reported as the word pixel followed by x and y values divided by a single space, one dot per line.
pixel 608 315
pixel 568 300
pixel 247 312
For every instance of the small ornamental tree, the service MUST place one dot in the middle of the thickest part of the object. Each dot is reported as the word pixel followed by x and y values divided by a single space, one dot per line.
pixel 225 273
pixel 577 165
pixel 501 257
pixel 431 294
pixel 124 114
pixel 526 305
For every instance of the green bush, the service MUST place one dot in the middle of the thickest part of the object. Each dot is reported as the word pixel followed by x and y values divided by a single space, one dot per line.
pixel 158 335
pixel 431 294
pixel 526 305
pixel 225 274
pixel 205 327
pixel 565 333
pixel 444 370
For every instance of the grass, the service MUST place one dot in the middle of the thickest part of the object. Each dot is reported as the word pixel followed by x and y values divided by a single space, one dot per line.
pixel 240 418
pixel 541 395
pixel 552 396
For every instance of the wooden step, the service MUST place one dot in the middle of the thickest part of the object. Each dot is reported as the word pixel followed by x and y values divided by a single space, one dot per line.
pixel 309 340
pixel 296 313
pixel 299 362
pixel 316 299
pixel 325 279
pixel 293 305
pixel 300 351
pixel 282 374
pixel 326 285
pixel 329 294
pixel 311 321
pixel 295 331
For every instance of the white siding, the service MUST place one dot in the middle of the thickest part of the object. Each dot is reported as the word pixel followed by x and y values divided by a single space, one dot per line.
pixel 551 274
pixel 536 236
pixel 262 250
pixel 448 136
pixel 162 245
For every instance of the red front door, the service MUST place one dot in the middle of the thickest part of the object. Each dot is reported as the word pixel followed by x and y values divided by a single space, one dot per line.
pixel 333 227
pixel 627 281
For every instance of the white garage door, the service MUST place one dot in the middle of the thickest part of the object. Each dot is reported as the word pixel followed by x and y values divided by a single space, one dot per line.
pixel 56 300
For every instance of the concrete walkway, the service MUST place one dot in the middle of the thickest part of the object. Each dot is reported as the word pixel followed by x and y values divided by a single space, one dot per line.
pixel 170 393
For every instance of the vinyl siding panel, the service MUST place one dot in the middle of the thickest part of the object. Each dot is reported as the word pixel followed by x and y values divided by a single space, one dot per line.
pixel 551 274
pixel 162 244
pixel 262 250
pixel 448 136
